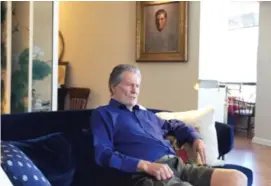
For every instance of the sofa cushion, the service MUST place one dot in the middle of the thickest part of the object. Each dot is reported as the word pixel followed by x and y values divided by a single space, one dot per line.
pixel 20 170
pixel 203 121
pixel 53 155
pixel 86 169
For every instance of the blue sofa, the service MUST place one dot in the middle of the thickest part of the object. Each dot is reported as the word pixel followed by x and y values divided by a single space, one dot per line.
pixel 59 144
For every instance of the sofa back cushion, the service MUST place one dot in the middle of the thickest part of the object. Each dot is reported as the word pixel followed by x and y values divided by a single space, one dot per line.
pixel 24 126
pixel 86 170
pixel 53 155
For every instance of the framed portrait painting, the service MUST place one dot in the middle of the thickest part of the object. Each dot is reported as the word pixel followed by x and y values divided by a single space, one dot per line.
pixel 161 31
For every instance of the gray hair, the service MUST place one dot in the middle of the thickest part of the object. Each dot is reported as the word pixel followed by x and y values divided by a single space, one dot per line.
pixel 116 74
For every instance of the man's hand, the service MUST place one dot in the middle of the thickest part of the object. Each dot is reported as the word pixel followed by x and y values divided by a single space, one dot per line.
pixel 199 147
pixel 158 170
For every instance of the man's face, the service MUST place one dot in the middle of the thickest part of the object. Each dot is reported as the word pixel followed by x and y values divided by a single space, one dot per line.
pixel 127 91
pixel 160 21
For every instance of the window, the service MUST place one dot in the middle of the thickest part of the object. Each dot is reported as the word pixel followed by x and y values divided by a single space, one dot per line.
pixel 242 41
pixel 244 20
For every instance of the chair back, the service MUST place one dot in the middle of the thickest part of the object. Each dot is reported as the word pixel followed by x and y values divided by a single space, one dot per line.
pixel 245 108
pixel 78 97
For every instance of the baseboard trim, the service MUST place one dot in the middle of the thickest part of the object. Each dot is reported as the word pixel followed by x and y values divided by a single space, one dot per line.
pixel 261 141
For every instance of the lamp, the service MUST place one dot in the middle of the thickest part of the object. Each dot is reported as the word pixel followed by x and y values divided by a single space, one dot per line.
pixel 206 84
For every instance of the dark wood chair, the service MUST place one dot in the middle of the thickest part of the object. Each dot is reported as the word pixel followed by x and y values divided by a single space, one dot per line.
pixel 246 110
pixel 78 97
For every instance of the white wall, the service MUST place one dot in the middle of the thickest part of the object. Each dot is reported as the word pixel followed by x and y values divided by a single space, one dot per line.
pixel 263 100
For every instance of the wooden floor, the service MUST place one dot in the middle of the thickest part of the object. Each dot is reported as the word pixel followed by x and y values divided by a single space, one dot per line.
pixel 254 156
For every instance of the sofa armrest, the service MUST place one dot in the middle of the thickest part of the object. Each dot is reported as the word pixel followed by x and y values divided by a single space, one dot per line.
pixel 225 137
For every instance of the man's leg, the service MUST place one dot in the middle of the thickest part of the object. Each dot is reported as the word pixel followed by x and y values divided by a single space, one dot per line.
pixel 142 179
pixel 146 180
pixel 196 175
pixel 225 177
pixel 206 176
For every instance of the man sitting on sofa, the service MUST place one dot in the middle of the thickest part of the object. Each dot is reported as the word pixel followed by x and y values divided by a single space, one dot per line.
pixel 131 139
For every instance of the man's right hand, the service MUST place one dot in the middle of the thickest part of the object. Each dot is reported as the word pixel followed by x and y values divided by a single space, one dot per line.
pixel 158 170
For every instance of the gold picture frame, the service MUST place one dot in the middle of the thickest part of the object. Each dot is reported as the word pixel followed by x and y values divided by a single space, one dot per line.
pixel 161 31
pixel 62 73
pixel 61 46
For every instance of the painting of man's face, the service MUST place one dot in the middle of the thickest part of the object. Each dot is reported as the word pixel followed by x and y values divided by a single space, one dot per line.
pixel 161 31
pixel 160 19
pixel 161 27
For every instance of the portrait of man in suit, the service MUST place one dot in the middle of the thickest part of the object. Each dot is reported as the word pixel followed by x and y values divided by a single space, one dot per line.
pixel 161 28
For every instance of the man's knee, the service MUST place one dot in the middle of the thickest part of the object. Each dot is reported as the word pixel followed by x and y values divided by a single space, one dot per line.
pixel 225 177
pixel 238 178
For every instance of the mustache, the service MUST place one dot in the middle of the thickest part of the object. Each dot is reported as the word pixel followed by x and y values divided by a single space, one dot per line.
pixel 132 96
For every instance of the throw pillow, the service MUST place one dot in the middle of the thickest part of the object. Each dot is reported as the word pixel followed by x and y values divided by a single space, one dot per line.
pixel 20 170
pixel 203 121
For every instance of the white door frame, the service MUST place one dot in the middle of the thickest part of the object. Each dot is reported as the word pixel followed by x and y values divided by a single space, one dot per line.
pixel 55 55
pixel 54 82
pixel 8 72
